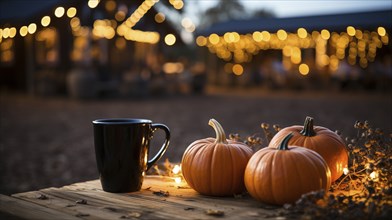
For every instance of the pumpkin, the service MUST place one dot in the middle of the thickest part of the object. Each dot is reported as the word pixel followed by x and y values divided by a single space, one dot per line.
pixel 320 139
pixel 281 175
pixel 215 166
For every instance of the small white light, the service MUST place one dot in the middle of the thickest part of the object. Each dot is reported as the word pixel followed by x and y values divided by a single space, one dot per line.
pixel 345 171
pixel 176 169
pixel 374 175
pixel 177 179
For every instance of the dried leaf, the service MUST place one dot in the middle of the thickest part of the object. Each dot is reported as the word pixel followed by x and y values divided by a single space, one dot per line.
pixel 161 193
pixel 82 215
pixel 81 201
pixel 111 209
pixel 42 197
pixel 215 212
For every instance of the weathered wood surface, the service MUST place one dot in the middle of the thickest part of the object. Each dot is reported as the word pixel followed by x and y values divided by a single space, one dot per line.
pixel 160 198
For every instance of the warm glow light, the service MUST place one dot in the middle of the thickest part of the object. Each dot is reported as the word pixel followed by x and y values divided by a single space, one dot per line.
pixel 119 16
pixel 45 21
pixel 176 169
pixel 121 43
pixel 32 28
pixel 23 31
pixel 325 34
pixel 231 37
pixel 374 175
pixel 381 31
pixel 177 4
pixel 110 5
pixel 12 32
pixel 213 38
pixel 59 12
pixel 238 69
pixel 257 36
pixel 71 12
pixel 286 50
pixel 170 39
pixel 302 33
pixel 174 68
pixel 177 179
pixel 266 35
pixel 345 171
pixel 201 41
pixel 282 35
pixel 351 30
pixel 303 69
pixel 93 3
pixel 6 32
pixel 103 28
pixel 138 36
pixel 75 22
pixel 160 17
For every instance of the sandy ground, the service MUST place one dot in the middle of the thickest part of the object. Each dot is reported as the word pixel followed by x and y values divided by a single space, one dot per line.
pixel 48 141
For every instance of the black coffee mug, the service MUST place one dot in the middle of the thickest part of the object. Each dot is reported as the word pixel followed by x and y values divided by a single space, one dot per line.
pixel 122 149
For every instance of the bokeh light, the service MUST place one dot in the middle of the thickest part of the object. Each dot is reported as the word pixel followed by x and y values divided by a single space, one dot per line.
pixel 45 21
pixel 59 12
pixel 170 39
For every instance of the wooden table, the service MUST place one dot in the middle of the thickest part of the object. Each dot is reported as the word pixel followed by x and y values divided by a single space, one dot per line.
pixel 160 198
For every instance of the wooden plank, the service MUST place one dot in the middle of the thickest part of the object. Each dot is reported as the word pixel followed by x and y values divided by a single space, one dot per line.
pixel 70 207
pixel 154 208
pixel 181 202
pixel 23 209
pixel 183 197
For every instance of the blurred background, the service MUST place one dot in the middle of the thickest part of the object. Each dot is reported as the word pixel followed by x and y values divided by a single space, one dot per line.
pixel 180 62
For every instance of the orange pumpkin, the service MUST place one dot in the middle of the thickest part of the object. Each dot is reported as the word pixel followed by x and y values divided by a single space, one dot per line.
pixel 281 175
pixel 320 139
pixel 215 166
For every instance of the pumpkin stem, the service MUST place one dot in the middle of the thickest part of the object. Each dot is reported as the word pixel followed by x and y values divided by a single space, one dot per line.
pixel 220 133
pixel 284 145
pixel 308 127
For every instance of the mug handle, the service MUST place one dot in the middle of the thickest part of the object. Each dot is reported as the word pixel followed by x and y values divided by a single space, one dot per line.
pixel 164 145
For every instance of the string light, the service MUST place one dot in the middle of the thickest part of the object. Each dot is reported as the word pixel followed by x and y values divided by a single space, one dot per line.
pixel 381 31
pixel 325 34
pixel 93 3
pixel 6 32
pixel 23 31
pixel 45 21
pixel 351 31
pixel 302 33
pixel 71 12
pixel 59 12
pixel 12 32
pixel 177 4
pixel 353 44
pixel 32 28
